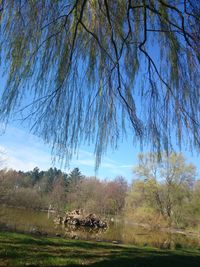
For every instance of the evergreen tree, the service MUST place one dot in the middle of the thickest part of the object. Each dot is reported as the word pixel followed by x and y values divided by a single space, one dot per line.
pixel 75 176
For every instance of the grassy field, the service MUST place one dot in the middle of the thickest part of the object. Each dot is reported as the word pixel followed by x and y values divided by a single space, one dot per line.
pixel 26 250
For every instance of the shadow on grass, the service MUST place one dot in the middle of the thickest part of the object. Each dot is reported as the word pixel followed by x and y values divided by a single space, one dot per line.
pixel 149 261
pixel 20 250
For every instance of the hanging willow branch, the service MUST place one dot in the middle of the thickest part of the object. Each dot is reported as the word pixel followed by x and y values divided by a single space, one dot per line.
pixel 91 71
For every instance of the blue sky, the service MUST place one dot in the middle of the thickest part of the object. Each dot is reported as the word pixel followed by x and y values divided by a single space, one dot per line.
pixel 24 151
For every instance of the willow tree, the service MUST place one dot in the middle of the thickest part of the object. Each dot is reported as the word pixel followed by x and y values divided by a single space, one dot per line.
pixel 94 70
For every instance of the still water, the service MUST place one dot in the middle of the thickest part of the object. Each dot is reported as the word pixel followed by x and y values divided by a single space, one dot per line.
pixel 119 231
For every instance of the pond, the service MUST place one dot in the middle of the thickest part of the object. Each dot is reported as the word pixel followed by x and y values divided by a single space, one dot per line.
pixel 119 231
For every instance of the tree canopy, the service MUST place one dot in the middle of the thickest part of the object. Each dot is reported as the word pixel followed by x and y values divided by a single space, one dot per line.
pixel 166 188
pixel 94 70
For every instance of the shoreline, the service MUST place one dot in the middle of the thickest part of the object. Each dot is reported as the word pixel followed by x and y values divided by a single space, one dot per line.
pixel 170 230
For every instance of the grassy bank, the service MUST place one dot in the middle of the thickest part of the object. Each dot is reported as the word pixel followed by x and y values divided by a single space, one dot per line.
pixel 26 250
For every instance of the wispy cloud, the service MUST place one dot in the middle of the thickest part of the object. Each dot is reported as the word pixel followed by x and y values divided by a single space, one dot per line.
pixel 110 166
pixel 24 151
pixel 3 157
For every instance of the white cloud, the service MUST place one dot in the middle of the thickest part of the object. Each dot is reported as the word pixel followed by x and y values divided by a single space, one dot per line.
pixel 109 166
pixel 3 157
pixel 25 151
pixel 127 166
pixel 85 162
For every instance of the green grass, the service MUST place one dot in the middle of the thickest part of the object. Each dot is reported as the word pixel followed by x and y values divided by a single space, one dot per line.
pixel 26 250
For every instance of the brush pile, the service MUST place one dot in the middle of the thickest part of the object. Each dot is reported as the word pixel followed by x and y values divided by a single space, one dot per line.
pixel 80 218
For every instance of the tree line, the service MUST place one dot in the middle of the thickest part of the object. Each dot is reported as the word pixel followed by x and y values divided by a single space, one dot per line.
pixel 162 193
pixel 38 189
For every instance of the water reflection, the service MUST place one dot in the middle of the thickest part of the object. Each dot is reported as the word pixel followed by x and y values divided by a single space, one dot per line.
pixel 119 231
pixel 81 232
